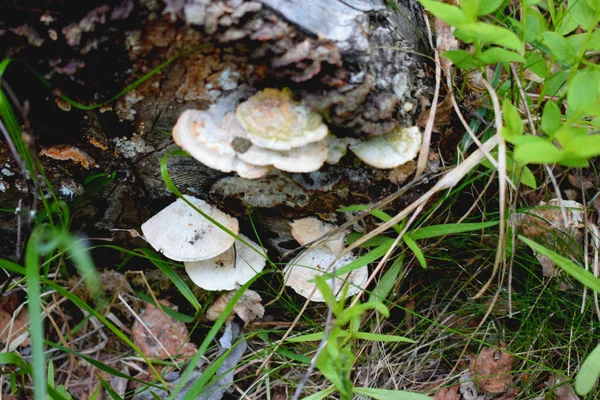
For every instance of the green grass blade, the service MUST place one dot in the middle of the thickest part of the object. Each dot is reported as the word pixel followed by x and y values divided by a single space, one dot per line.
pixel 15 359
pixel 359 309
pixel 114 395
pixel 588 373
pixel 323 394
pixel 34 306
pixel 414 247
pixel 317 336
pixel 199 385
pixel 100 365
pixel 383 394
pixel 387 281
pixel 82 260
pixel 373 242
pixel 50 379
pixel 173 277
pixel 360 262
pixel 583 276
pixel 376 337
pixel 449 229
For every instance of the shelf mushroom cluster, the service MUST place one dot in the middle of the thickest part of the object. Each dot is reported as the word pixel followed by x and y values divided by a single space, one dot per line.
pixel 268 130
pixel 272 130
pixel 320 259
pixel 213 258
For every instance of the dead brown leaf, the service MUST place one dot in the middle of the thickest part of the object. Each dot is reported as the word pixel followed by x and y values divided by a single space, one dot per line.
pixel 158 335
pixel 548 217
pixel 248 307
pixel 562 390
pixel 13 323
pixel 581 182
pixel 114 282
pixel 491 370
pixel 450 393
pixel 445 40
pixel 442 115
pixel 400 174
pixel 510 395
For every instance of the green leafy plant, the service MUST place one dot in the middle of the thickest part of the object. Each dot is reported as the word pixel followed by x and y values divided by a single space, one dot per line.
pixel 491 43
pixel 561 54
pixel 336 360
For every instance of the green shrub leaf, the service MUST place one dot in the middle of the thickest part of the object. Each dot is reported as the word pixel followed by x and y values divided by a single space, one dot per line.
pixel 560 47
pixel 387 281
pixel 461 58
pixel 583 92
pixel 536 63
pixel 551 118
pixel 490 34
pixel 581 12
pixel 489 6
pixel 534 149
pixel 594 5
pixel 496 55
pixel 452 15
pixel 527 178
pixel 512 118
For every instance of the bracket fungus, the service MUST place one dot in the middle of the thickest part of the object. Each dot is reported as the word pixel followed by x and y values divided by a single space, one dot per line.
pixel 300 272
pixel 275 121
pixel 390 150
pixel 182 234
pixel 268 130
pixel 212 142
pixel 234 267
pixel 307 158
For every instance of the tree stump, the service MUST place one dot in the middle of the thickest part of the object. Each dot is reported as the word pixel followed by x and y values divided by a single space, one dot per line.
pixel 360 63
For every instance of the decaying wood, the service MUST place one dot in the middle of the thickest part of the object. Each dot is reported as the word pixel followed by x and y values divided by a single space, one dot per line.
pixel 359 62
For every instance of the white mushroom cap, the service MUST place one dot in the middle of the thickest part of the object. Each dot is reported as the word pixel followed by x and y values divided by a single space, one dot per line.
pixel 236 266
pixel 389 150
pixel 275 121
pixel 211 143
pixel 313 262
pixel 309 229
pixel 182 234
pixel 307 158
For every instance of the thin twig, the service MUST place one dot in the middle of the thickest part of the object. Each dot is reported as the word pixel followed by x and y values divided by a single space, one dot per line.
pixel 502 188
pixel 474 137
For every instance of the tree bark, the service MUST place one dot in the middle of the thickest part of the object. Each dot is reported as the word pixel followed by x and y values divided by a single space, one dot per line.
pixel 359 62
